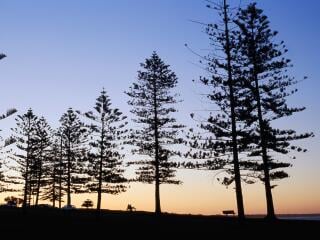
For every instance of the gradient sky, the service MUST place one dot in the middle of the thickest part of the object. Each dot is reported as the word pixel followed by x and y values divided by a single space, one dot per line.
pixel 61 53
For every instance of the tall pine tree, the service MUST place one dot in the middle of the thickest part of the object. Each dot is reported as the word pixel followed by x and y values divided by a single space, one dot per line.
pixel 265 68
pixel 52 173
pixel 226 132
pixel 43 135
pixel 105 167
pixel 73 134
pixel 153 104
pixel 25 133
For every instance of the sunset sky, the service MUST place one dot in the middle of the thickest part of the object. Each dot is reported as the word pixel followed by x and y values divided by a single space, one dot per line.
pixel 61 53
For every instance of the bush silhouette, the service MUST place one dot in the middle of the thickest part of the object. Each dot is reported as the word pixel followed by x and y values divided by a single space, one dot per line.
pixel 87 204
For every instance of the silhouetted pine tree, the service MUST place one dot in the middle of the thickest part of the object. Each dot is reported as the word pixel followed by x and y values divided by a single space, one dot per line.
pixel 25 135
pixel 87 204
pixel 43 135
pixel 226 133
pixel 153 103
pixel 266 76
pixel 54 189
pixel 51 179
pixel 73 133
pixel 105 159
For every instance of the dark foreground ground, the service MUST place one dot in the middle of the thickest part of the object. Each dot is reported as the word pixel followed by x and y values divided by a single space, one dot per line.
pixel 143 225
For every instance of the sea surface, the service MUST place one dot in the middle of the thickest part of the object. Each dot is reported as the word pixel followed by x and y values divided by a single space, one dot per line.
pixel 300 217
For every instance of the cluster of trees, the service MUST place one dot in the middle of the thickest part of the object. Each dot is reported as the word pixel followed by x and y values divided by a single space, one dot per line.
pixel 249 83
pixel 85 154
pixel 247 79
pixel 75 158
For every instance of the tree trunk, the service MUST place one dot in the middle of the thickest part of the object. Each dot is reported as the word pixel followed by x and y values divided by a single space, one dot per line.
pixel 269 199
pixel 237 175
pixel 30 190
pixel 156 138
pixel 54 182
pixel 26 180
pixel 157 193
pixel 26 183
pixel 60 174
pixel 39 179
pixel 100 168
pixel 69 178
pixel 38 188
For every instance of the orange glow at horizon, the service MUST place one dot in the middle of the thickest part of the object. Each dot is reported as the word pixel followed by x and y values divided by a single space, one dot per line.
pixel 201 194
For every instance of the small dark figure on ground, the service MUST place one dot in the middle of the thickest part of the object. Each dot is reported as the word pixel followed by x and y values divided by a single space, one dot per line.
pixel 130 208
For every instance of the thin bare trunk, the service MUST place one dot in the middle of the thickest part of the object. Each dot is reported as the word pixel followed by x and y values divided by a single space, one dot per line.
pixel 100 168
pixel 60 174
pixel 269 199
pixel 69 177
pixel 237 175
pixel 39 178
pixel 26 177
pixel 157 163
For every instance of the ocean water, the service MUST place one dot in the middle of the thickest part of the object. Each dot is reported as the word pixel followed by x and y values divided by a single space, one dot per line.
pixel 301 217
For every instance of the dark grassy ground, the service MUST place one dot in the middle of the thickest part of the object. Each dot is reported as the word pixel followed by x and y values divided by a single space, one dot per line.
pixel 144 225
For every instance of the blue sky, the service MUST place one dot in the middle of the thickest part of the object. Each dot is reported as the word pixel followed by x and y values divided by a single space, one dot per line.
pixel 61 53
